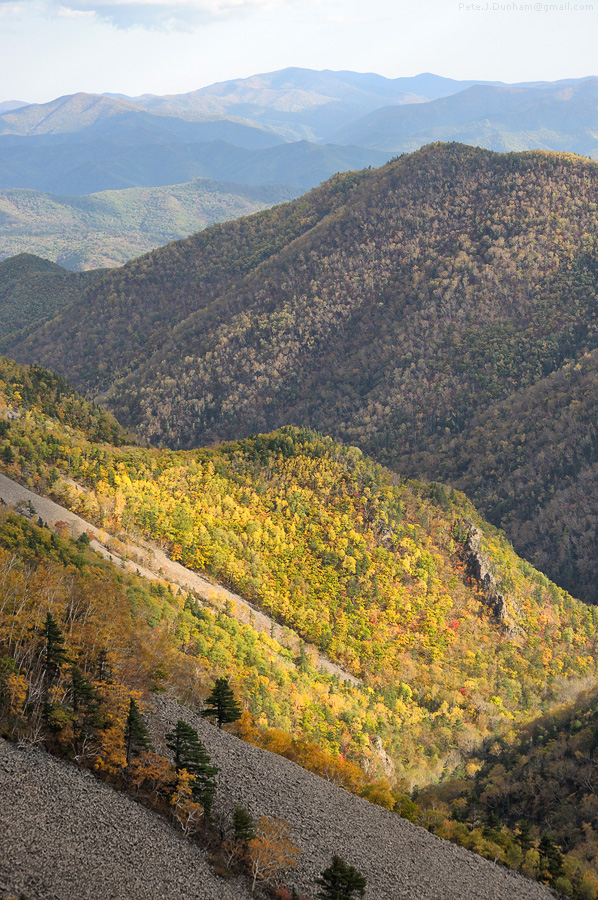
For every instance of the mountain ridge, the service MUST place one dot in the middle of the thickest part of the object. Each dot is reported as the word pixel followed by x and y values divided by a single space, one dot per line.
pixel 433 254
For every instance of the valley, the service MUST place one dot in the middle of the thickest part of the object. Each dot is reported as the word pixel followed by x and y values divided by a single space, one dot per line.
pixel 372 309
pixel 441 675
pixel 107 229
pixel 335 449
pixel 90 180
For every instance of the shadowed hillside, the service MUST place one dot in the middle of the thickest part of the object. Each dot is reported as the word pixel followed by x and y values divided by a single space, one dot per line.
pixel 33 290
pixel 388 308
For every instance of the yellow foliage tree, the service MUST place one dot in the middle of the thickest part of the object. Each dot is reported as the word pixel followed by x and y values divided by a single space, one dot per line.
pixel 271 852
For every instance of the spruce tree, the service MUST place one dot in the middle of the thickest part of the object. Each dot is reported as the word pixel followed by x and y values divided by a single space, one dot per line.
pixel 551 858
pixel 524 838
pixel 190 754
pixel 54 652
pixel 340 881
pixel 85 697
pixel 136 735
pixel 86 706
pixel 243 826
pixel 221 704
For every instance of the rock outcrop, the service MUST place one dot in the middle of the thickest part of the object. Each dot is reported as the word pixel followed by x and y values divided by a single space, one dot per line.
pixel 477 566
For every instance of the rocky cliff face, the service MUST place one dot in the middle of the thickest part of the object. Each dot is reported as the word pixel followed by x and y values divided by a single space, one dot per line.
pixel 477 567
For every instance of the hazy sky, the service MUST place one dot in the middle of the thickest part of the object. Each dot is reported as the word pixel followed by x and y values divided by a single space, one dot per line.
pixel 49 48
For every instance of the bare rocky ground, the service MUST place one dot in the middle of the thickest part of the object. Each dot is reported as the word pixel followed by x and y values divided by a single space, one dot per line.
pixel 66 836
pixel 400 860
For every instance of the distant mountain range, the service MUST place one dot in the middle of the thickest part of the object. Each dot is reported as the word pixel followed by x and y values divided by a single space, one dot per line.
pixel 105 163
pixel 498 118
pixel 296 103
pixel 288 130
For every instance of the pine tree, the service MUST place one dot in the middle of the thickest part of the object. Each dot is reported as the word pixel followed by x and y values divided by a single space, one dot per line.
pixel 340 881
pixel 190 754
pixel 221 704
pixel 551 858
pixel 136 735
pixel 524 838
pixel 243 826
pixel 86 706
pixel 54 652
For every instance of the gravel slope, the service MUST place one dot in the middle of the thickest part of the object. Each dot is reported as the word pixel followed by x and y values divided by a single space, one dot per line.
pixel 66 836
pixel 399 859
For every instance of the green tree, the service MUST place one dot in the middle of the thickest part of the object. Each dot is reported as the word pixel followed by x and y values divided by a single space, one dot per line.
pixel 190 754
pixel 221 704
pixel 54 652
pixel 136 735
pixel 524 837
pixel 551 858
pixel 86 708
pixel 243 826
pixel 340 881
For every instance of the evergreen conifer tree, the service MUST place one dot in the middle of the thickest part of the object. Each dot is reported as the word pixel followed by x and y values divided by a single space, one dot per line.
pixel 190 754
pixel 551 858
pixel 243 826
pixel 340 881
pixel 54 652
pixel 86 707
pixel 524 838
pixel 136 735
pixel 221 704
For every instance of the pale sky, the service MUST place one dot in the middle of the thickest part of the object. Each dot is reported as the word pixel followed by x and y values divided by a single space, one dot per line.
pixel 53 47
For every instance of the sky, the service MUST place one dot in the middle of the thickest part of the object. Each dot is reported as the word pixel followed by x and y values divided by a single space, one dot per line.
pixel 49 48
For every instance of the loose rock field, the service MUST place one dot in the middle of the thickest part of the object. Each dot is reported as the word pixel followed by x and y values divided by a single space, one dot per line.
pixel 66 836
pixel 400 860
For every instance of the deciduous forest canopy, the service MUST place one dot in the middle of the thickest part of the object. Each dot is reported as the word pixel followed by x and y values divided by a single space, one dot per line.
pixel 418 311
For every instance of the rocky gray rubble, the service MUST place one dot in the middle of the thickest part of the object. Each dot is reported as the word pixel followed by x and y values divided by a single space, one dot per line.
pixel 399 859
pixel 66 836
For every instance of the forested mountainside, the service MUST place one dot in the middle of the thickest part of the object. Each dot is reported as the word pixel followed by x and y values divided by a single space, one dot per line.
pixel 109 228
pixel 392 309
pixel 455 640
pixel 33 290
pixel 389 581
pixel 122 324
pixel 530 461
pixel 546 777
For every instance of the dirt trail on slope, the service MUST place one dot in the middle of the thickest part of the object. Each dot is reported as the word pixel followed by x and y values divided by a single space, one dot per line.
pixel 150 561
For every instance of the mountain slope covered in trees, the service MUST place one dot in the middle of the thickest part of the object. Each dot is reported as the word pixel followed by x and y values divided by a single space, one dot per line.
pixel 389 583
pixel 109 228
pixel 33 290
pixel 393 309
